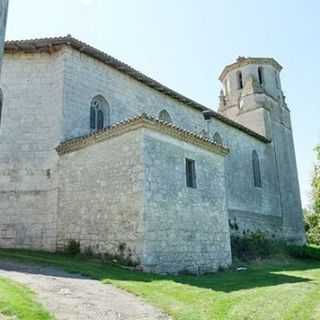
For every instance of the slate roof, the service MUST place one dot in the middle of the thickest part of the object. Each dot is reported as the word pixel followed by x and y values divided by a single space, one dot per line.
pixel 52 45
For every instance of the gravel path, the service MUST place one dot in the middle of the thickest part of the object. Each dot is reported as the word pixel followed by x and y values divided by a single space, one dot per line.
pixel 74 297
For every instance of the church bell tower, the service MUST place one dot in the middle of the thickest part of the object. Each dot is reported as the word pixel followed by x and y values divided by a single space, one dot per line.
pixel 252 96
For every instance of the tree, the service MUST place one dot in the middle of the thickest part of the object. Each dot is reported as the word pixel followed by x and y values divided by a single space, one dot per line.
pixel 312 219
pixel 316 183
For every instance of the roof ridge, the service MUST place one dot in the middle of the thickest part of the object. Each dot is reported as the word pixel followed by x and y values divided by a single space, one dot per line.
pixel 68 36
pixel 94 137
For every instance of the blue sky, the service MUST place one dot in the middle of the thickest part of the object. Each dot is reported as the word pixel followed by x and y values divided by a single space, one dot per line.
pixel 185 44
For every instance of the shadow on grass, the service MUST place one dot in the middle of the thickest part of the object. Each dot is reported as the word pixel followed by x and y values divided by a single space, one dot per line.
pixel 229 281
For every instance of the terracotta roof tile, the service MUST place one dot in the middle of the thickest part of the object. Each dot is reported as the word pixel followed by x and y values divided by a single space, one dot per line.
pixel 146 121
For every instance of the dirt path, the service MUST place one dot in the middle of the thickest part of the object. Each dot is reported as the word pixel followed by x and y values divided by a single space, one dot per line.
pixel 74 297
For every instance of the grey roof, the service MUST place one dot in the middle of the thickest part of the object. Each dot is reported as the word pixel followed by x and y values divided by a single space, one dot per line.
pixel 52 45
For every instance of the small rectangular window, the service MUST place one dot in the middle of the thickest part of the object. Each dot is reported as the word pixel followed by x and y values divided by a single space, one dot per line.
pixel 191 173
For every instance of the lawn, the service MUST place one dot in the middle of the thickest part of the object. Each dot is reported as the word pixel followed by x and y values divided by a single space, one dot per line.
pixel 283 288
pixel 18 302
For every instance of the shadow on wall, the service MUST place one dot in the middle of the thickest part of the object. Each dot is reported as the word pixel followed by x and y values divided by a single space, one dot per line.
pixel 230 281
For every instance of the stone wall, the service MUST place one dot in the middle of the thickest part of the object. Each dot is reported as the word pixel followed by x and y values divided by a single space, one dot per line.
pixel 250 205
pixel 101 197
pixel 127 197
pixel 186 229
pixel 47 100
pixel 30 129
pixel 293 225
pixel 244 223
pixel 86 77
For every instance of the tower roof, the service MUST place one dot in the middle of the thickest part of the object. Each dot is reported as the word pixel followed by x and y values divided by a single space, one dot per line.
pixel 242 61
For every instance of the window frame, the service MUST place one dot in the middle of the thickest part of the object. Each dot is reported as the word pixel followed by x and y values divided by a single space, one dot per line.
pixel 239 80
pixel 100 119
pixel 256 169
pixel 191 176
pixel 217 138
pixel 261 75
pixel 276 79
pixel 164 115
pixel 99 105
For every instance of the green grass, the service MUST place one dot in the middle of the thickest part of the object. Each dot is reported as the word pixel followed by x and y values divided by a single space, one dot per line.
pixel 284 288
pixel 18 302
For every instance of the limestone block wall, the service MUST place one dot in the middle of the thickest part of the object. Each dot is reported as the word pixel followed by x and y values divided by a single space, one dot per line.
pixel 85 77
pixel 185 229
pixel 101 197
pixel 127 197
pixel 30 129
pixel 293 226
pixel 250 208
pixel 47 100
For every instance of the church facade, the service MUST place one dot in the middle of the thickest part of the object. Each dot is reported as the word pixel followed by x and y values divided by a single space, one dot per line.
pixel 93 151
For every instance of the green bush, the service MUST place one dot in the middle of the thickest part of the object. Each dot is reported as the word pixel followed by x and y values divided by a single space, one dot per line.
pixel 254 245
pixel 305 252
pixel 312 216
pixel 73 247
pixel 312 227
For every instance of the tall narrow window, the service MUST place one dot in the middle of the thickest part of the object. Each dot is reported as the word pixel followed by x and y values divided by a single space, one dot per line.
pixel 217 138
pixel 165 116
pixel 256 169
pixel 92 118
pixel 191 179
pixel 100 120
pixel 239 79
pixel 276 79
pixel 99 113
pixel 260 75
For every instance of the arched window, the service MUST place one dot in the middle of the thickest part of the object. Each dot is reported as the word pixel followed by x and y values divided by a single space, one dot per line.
pixel 217 138
pixel 165 116
pixel 256 169
pixel 239 79
pixel 1 104
pixel 260 75
pixel 99 113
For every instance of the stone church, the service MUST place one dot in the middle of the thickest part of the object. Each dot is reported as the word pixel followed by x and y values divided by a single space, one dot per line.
pixel 94 151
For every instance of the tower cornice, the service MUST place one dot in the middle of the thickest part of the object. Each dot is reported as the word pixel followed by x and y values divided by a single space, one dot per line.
pixel 242 61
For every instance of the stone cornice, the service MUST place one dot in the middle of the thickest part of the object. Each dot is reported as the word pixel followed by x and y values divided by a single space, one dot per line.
pixel 141 121
pixel 250 60
pixel 207 115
